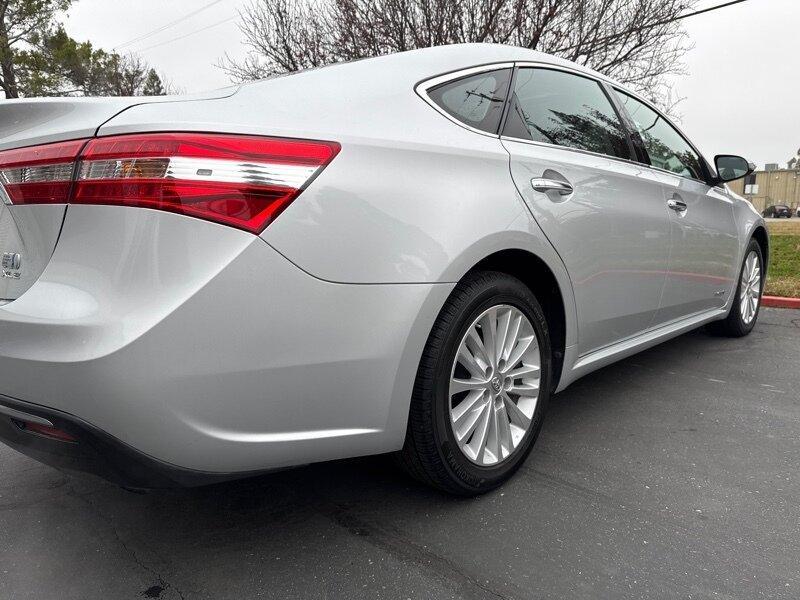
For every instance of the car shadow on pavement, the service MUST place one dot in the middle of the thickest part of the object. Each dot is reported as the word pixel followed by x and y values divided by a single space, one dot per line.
pixel 292 495
pixel 363 528
pixel 354 494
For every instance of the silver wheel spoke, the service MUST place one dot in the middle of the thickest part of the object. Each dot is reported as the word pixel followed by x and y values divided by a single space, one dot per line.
pixel 492 408
pixel 519 418
pixel 466 358
pixel 531 390
pixel 477 348
pixel 522 346
pixel 469 418
pixel 491 449
pixel 464 385
pixel 489 329
pixel 477 444
pixel 503 324
pixel 511 339
pixel 505 439
pixel 523 370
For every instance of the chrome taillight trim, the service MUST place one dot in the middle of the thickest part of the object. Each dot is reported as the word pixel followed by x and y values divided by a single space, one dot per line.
pixel 37 174
pixel 199 169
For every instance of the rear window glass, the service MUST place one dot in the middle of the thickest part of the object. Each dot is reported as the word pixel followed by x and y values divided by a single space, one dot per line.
pixel 476 100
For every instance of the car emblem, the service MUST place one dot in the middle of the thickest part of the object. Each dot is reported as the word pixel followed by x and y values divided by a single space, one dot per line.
pixel 12 263
pixel 496 384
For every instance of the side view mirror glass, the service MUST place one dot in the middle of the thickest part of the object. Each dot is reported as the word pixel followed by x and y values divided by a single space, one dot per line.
pixel 730 167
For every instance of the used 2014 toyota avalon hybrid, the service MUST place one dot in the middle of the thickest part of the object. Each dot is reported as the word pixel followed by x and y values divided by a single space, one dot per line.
pixel 404 254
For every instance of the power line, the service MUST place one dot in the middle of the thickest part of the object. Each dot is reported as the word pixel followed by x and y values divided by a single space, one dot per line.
pixel 188 34
pixel 610 37
pixel 651 25
pixel 167 25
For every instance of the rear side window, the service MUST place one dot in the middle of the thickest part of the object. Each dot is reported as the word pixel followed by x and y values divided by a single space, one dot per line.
pixel 666 147
pixel 566 110
pixel 476 100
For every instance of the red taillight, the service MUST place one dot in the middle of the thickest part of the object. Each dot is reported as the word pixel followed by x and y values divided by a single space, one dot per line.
pixel 39 174
pixel 242 181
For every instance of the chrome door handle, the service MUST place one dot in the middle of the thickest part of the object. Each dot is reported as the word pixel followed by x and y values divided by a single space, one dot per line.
pixel 543 184
pixel 677 204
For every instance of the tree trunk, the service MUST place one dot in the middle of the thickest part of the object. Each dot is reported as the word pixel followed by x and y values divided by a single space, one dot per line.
pixel 7 74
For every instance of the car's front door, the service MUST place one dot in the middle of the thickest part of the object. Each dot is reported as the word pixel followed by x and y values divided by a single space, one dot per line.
pixel 572 162
pixel 704 257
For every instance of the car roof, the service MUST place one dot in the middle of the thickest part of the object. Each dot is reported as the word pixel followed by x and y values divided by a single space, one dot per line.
pixel 412 66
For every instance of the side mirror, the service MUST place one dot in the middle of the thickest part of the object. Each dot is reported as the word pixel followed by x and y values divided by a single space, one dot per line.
pixel 730 167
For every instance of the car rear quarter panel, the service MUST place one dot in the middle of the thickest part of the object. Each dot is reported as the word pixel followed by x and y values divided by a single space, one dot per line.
pixel 203 347
pixel 411 198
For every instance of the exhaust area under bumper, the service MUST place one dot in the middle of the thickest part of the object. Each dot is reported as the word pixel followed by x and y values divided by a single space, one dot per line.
pixel 85 448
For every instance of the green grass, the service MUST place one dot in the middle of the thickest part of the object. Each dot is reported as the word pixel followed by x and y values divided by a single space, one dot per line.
pixel 784 226
pixel 783 278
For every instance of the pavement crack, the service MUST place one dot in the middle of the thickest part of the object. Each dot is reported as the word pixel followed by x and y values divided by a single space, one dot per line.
pixel 408 551
pixel 129 550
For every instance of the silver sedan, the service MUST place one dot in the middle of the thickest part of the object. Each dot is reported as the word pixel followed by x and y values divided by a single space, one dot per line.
pixel 405 254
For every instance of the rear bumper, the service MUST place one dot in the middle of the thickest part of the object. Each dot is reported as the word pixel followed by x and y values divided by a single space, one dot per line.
pixel 93 451
pixel 200 347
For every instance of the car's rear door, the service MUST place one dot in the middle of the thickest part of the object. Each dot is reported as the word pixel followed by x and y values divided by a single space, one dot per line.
pixel 705 244
pixel 574 164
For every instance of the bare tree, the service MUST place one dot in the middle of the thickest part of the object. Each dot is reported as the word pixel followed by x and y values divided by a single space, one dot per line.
pixel 637 42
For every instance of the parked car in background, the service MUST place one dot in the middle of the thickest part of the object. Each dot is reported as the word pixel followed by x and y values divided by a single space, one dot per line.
pixel 779 210
pixel 406 254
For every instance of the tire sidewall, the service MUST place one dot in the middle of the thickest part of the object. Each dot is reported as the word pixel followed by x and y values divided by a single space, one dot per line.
pixel 476 478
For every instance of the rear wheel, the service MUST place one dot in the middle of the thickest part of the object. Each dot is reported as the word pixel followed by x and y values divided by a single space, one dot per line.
pixel 482 387
pixel 747 299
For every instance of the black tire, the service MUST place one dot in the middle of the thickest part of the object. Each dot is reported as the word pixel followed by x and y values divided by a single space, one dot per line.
pixel 431 453
pixel 733 325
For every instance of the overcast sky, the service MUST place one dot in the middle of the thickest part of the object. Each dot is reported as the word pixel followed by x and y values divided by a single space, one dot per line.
pixel 742 93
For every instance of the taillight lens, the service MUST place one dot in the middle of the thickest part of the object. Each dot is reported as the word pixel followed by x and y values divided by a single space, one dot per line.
pixel 39 174
pixel 46 431
pixel 242 181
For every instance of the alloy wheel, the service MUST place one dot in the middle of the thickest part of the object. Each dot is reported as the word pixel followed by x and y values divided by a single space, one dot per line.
pixel 750 288
pixel 494 385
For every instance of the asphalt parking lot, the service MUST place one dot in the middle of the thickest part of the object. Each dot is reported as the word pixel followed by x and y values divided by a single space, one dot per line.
pixel 673 474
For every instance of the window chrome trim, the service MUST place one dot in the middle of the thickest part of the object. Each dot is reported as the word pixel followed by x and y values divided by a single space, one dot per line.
pixel 424 86
pixel 588 74
pixel 628 161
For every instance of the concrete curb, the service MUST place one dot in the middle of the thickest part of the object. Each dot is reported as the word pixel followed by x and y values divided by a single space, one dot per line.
pixel 780 302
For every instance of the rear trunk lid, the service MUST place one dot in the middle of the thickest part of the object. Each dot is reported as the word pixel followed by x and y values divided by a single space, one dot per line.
pixel 29 233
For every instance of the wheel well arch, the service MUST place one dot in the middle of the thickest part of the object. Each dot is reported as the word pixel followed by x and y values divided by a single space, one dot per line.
pixel 539 278
pixel 760 235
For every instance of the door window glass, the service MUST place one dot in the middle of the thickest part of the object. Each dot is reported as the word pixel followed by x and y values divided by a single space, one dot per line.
pixel 666 147
pixel 566 110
